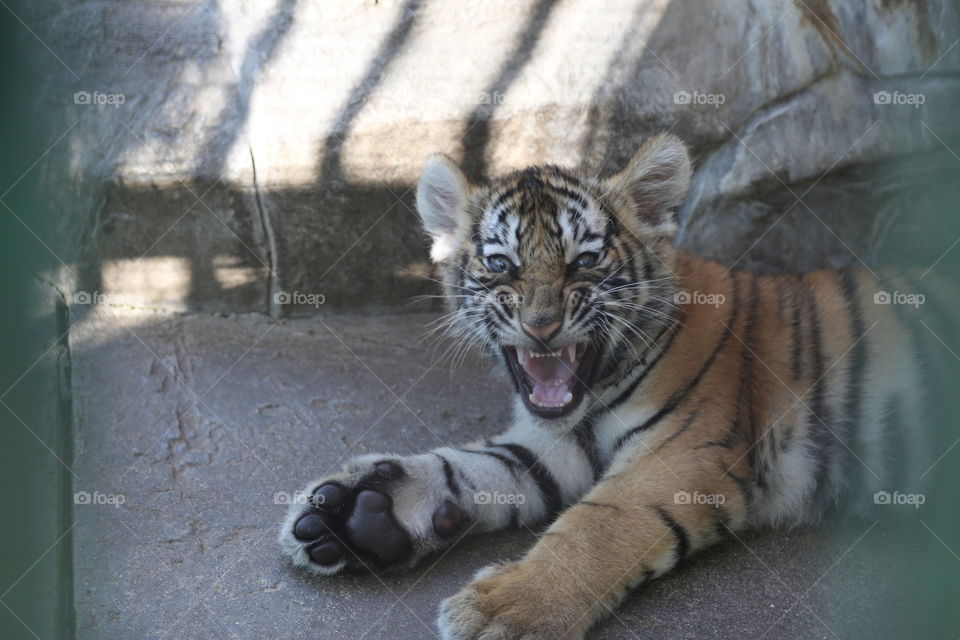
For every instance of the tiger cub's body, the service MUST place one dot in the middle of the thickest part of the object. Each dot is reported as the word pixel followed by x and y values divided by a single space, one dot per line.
pixel 663 401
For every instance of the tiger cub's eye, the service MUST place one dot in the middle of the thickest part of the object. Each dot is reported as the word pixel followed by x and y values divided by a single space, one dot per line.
pixel 586 259
pixel 499 263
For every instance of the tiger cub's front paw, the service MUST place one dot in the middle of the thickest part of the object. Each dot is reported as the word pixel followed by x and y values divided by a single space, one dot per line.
pixel 510 602
pixel 380 513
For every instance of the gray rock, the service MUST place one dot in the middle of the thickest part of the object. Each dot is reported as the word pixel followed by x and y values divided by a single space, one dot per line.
pixel 315 119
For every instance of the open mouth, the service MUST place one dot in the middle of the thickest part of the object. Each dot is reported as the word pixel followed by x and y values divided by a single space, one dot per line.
pixel 552 383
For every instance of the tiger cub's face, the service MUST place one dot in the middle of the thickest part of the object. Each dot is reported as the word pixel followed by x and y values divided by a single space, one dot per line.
pixel 562 277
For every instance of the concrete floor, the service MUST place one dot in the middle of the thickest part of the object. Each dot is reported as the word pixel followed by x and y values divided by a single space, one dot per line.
pixel 198 421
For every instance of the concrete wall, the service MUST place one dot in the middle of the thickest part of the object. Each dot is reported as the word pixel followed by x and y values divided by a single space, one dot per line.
pixel 268 147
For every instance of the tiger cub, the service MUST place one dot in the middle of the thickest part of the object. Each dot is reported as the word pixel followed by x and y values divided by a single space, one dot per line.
pixel 662 401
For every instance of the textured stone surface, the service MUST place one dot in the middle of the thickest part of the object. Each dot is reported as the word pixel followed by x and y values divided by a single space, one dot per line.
pixel 324 112
pixel 198 421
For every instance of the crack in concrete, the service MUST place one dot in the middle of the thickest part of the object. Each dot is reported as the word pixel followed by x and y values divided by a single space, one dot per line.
pixel 64 446
pixel 272 308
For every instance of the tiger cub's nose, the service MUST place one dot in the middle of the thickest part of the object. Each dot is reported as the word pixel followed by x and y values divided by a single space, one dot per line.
pixel 542 332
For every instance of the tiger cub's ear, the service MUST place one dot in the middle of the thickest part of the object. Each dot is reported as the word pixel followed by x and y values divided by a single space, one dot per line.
pixel 441 196
pixel 654 183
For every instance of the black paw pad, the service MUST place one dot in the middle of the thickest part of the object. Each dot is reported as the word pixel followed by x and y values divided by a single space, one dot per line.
pixel 309 527
pixel 388 470
pixel 329 497
pixel 326 553
pixel 373 529
pixel 447 519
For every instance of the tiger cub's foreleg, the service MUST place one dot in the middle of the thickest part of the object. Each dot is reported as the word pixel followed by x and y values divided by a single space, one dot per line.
pixel 649 511
pixel 386 511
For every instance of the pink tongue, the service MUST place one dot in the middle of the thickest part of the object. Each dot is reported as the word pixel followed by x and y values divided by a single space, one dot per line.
pixel 549 371
pixel 550 395
pixel 551 379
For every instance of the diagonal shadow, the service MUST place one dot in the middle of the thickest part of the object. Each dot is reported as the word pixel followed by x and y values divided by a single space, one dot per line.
pixel 379 66
pixel 477 127
pixel 259 51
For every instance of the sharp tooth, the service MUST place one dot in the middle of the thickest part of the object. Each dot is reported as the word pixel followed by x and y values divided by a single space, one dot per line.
pixel 567 399
pixel 530 398
pixel 572 352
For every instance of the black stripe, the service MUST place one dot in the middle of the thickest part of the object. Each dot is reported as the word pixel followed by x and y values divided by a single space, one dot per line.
pixel 858 357
pixel 448 473
pixel 584 307
pixel 723 444
pixel 781 312
pixel 612 362
pixel 586 439
pixel 600 504
pixel 821 436
pixel 636 383
pixel 541 476
pixel 499 313
pixel 578 222
pixel 796 351
pixel 674 400
pixel 746 399
pixel 632 267
pixel 729 474
pixel 683 427
pixel 647 268
pixel 508 462
pixel 503 197
pixel 743 487
pixel 679 532
pixel 567 193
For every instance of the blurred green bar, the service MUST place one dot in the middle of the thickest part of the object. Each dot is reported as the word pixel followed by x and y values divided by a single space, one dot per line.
pixel 36 546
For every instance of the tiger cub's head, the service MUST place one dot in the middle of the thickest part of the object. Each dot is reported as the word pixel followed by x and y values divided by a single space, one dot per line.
pixel 564 277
